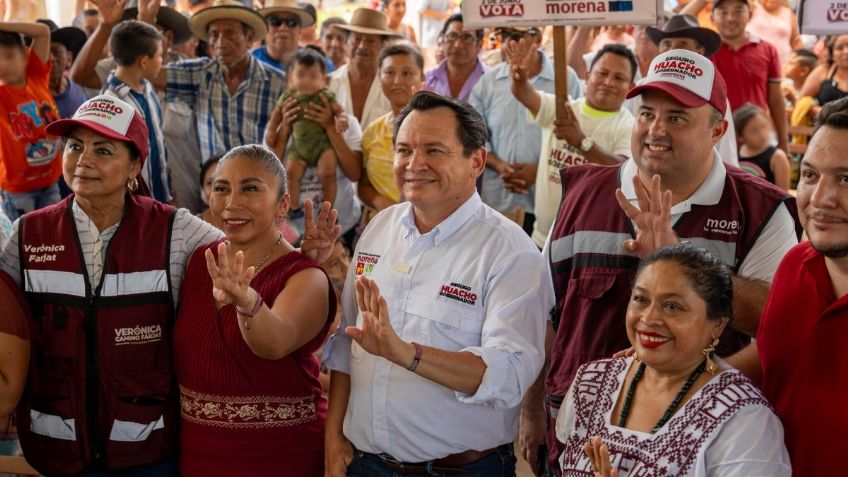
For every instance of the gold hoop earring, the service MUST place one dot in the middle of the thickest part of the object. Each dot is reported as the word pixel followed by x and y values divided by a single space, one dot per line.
pixel 712 367
pixel 132 184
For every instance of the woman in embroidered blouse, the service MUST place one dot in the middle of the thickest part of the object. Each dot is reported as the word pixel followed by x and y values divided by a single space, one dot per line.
pixel 253 311
pixel 671 409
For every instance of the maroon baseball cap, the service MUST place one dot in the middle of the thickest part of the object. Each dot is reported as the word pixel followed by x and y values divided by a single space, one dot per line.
pixel 109 117
pixel 689 78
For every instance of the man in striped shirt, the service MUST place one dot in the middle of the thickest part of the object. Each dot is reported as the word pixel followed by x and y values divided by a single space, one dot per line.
pixel 232 93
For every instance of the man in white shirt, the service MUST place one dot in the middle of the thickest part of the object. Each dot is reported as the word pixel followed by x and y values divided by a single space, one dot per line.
pixel 357 84
pixel 596 129
pixel 444 312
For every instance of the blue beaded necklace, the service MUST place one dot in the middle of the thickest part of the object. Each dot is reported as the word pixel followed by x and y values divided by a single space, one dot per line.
pixel 628 398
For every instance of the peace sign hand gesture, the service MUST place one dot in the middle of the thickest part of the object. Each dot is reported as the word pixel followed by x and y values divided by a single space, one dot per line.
pixel 319 236
pixel 230 282
pixel 652 218
pixel 376 335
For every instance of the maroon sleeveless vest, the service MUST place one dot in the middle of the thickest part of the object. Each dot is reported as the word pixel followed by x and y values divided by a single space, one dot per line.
pixel 101 390
pixel 593 275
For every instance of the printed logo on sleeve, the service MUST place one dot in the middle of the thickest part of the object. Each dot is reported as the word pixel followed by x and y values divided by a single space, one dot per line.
pixel 459 292
pixel 365 263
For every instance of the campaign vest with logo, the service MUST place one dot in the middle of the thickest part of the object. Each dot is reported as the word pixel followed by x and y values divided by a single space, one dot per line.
pixel 593 275
pixel 101 391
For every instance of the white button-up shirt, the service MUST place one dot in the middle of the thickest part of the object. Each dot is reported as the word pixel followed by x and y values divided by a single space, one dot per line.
pixel 376 103
pixel 474 283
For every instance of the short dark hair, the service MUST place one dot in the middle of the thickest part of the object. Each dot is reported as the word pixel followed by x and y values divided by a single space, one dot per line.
pixel 208 164
pixel 11 39
pixel 457 17
pixel 807 57
pixel 834 115
pixel 307 57
pixel 328 23
pixel 402 49
pixel 744 115
pixel 619 50
pixel 709 276
pixel 470 128
pixel 132 39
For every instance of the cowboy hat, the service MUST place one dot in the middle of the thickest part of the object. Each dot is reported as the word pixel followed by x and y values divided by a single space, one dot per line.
pixel 167 17
pixel 686 26
pixel 227 10
pixel 368 21
pixel 288 6
pixel 71 37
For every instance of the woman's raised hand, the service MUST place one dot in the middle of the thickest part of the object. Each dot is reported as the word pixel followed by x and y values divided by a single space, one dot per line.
pixel 598 453
pixel 319 236
pixel 230 281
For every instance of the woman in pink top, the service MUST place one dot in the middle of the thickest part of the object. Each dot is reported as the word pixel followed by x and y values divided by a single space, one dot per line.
pixel 774 22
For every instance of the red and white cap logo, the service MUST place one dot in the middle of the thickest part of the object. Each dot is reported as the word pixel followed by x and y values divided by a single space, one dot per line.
pixel 686 76
pixel 107 111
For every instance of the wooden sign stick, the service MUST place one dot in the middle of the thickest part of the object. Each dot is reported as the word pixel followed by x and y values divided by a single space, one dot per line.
pixel 560 71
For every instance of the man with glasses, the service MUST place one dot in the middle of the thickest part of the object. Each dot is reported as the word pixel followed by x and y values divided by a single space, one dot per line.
pixel 514 142
pixel 285 19
pixel 461 69
pixel 357 84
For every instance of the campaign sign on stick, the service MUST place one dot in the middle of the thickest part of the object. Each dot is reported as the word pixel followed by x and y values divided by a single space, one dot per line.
pixel 823 17
pixel 526 13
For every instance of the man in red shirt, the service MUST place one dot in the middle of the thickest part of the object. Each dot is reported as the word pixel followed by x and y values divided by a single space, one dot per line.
pixel 749 64
pixel 800 341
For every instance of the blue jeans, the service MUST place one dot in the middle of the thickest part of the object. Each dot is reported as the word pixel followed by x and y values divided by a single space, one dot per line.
pixel 17 204
pixel 499 464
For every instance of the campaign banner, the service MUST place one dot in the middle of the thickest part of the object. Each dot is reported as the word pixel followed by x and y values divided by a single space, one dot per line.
pixel 823 17
pixel 528 13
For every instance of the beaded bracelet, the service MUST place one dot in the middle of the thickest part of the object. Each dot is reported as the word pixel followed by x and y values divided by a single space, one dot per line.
pixel 256 307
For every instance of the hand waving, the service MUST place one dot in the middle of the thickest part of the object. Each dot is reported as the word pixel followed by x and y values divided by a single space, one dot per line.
pixel 652 218
pixel 111 11
pixel 319 236
pixel 598 453
pixel 376 335
pixel 519 55
pixel 230 282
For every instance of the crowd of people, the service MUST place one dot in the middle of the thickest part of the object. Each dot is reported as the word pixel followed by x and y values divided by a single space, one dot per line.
pixel 278 238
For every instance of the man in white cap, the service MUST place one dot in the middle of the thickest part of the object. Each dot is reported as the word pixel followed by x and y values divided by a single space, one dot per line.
pixel 357 84
pixel 674 189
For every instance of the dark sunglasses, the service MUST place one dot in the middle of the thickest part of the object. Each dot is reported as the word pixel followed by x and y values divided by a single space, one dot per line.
pixel 291 22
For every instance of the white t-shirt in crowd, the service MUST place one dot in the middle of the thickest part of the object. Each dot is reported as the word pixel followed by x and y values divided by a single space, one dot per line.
pixel 611 132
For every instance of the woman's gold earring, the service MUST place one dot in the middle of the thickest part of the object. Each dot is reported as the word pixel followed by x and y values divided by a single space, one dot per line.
pixel 132 184
pixel 712 367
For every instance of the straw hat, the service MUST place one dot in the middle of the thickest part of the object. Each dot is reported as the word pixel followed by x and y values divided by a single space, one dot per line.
pixel 288 6
pixel 227 10
pixel 369 21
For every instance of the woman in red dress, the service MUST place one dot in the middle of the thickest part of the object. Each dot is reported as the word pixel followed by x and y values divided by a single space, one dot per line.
pixel 252 312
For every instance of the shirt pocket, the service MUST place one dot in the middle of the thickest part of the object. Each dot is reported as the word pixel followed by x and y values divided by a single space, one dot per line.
pixel 445 325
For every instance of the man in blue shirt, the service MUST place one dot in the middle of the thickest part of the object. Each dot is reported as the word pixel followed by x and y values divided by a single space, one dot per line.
pixel 514 143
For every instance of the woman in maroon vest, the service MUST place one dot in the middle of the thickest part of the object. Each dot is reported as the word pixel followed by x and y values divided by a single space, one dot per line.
pixel 253 311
